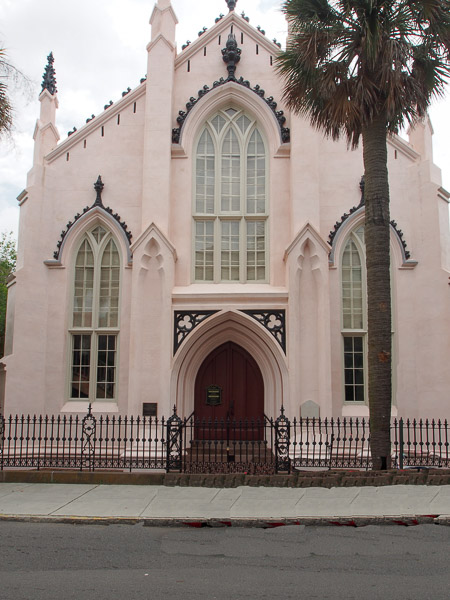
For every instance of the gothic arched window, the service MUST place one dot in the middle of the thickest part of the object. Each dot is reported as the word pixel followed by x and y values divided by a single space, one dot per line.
pixel 95 317
pixel 354 327
pixel 230 201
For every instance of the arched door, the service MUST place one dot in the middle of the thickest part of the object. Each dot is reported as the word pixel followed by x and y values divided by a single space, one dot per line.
pixel 229 386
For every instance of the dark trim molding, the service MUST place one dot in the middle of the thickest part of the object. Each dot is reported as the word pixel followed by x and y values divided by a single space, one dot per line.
pixel 98 186
pixel 49 76
pixel 272 320
pixel 285 133
pixel 345 216
pixel 184 323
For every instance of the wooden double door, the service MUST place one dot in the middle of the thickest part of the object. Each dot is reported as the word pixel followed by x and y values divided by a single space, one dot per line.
pixel 229 388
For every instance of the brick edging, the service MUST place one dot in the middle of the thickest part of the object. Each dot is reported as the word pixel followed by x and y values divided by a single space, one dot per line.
pixel 326 479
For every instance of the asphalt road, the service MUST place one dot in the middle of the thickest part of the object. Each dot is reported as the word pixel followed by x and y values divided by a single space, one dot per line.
pixel 84 562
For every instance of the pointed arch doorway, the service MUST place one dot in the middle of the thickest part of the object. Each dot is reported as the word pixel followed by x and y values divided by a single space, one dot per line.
pixel 229 387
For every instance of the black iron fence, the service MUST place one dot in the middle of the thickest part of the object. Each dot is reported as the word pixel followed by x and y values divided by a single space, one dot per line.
pixel 421 443
pixel 193 445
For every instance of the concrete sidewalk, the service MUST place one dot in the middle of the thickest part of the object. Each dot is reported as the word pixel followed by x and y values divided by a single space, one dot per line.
pixel 251 506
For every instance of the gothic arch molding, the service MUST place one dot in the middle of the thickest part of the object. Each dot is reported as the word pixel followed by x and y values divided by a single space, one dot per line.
pixel 96 215
pixel 399 250
pixel 98 212
pixel 309 240
pixel 230 93
pixel 247 333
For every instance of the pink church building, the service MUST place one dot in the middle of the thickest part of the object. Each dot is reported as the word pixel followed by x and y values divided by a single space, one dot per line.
pixel 198 245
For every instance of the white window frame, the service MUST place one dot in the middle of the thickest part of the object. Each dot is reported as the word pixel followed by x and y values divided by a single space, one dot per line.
pixel 347 332
pixel 219 216
pixel 354 332
pixel 94 331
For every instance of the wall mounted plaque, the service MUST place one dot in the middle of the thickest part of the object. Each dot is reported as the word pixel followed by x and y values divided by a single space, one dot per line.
pixel 213 395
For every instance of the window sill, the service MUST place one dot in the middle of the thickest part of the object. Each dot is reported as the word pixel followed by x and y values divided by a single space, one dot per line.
pixel 82 406
pixel 355 410
pixel 361 410
pixel 217 290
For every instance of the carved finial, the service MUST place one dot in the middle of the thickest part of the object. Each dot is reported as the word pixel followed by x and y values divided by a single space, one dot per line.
pixel 362 185
pixel 231 55
pixel 98 187
pixel 48 79
pixel 231 4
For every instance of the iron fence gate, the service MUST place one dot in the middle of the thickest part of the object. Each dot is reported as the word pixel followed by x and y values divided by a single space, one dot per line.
pixel 189 444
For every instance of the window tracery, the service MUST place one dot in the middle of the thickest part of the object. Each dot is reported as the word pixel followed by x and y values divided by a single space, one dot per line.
pixel 230 200
pixel 354 327
pixel 95 317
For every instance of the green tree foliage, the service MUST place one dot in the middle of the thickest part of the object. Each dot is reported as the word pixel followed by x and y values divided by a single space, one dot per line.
pixel 7 266
pixel 12 80
pixel 362 69
pixel 5 106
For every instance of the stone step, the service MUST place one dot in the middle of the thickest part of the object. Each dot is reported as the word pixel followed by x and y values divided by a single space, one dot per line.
pixel 216 451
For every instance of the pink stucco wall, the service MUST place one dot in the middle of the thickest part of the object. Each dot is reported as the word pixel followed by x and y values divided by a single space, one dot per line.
pixel 148 182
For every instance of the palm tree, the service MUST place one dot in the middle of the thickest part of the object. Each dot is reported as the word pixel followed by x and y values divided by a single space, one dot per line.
pixel 362 69
pixel 5 106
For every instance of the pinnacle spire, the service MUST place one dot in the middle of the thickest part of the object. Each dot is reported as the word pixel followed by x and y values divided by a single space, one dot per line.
pixel 98 187
pixel 231 4
pixel 48 79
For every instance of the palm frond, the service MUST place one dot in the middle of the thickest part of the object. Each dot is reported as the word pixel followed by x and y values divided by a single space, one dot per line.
pixel 5 105
pixel 349 60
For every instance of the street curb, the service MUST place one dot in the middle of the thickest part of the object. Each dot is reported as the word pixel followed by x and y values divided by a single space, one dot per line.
pixel 443 520
pixel 251 522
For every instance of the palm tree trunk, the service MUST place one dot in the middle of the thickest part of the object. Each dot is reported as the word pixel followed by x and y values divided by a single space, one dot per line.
pixel 377 234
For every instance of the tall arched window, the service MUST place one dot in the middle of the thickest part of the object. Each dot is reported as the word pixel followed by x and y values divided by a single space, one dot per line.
pixel 354 328
pixel 230 201
pixel 95 318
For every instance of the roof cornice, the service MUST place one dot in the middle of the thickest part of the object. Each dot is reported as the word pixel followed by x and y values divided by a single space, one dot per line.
pixel 403 146
pixel 39 128
pixel 163 10
pixel 22 197
pixel 307 231
pixel 159 37
pixel 444 194
pixel 154 231
pixel 96 122
pixel 217 28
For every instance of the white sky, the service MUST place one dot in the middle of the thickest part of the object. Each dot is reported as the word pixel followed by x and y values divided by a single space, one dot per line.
pixel 99 49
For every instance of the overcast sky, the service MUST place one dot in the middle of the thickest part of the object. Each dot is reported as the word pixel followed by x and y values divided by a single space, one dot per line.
pixel 99 49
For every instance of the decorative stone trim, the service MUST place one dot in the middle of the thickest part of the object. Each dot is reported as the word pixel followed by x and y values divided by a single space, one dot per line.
pixel 98 186
pixel 184 323
pixel 279 114
pixel 345 216
pixel 49 78
pixel 399 233
pixel 272 320
pixel 231 55
pixel 231 4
